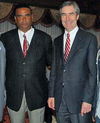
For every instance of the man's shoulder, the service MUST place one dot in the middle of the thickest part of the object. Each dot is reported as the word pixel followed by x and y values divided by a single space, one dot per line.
pixel 59 38
pixel 86 33
pixel 41 33
pixel 2 47
pixel 1 44
pixel 10 32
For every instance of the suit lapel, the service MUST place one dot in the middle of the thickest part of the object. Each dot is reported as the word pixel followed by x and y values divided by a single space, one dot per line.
pixel 75 45
pixel 17 43
pixel 61 46
pixel 34 42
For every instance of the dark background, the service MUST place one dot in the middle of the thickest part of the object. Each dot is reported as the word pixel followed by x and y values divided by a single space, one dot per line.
pixel 87 6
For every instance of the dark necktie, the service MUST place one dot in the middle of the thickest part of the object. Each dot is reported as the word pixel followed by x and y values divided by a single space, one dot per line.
pixel 67 47
pixel 25 46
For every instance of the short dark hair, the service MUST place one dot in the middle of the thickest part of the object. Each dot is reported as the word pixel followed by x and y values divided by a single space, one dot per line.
pixel 21 6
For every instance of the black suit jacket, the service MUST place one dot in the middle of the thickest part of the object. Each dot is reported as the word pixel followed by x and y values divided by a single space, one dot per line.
pixel 27 74
pixel 79 73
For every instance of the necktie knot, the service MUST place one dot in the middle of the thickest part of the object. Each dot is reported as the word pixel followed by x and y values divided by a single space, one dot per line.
pixel 24 37
pixel 68 35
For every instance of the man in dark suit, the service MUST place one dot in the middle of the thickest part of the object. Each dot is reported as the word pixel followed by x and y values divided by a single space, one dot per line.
pixel 26 82
pixel 73 70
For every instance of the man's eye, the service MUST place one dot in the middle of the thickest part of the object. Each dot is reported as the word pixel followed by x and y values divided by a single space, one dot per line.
pixel 27 15
pixel 72 13
pixel 63 14
pixel 19 16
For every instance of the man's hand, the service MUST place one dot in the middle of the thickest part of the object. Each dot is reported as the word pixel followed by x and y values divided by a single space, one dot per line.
pixel 93 119
pixel 51 103
pixel 49 67
pixel 86 108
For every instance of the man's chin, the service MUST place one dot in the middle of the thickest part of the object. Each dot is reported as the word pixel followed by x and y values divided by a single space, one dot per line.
pixel 24 29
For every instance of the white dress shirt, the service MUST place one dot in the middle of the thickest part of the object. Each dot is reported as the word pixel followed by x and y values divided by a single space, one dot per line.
pixel 72 37
pixel 29 34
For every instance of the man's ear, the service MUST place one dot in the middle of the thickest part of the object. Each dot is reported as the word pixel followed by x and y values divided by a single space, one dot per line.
pixel 32 17
pixel 77 17
pixel 15 18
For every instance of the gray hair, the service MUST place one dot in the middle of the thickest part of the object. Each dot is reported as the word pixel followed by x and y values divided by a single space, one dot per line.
pixel 69 3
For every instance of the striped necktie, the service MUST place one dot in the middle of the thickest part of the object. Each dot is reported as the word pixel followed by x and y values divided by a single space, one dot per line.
pixel 67 47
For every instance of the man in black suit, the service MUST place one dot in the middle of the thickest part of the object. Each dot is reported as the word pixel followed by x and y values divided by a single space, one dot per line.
pixel 26 82
pixel 73 70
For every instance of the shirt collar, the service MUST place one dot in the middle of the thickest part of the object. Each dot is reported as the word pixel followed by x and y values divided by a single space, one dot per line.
pixel 28 32
pixel 72 32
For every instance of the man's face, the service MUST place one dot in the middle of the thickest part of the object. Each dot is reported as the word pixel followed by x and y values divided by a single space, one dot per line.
pixel 23 19
pixel 69 18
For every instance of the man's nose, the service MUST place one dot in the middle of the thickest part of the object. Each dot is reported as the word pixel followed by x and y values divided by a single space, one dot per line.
pixel 67 17
pixel 24 17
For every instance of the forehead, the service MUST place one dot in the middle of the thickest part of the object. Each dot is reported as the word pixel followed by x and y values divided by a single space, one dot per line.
pixel 22 10
pixel 68 9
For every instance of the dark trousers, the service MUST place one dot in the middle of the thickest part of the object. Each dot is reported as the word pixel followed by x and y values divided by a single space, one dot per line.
pixel 64 116
pixel 48 114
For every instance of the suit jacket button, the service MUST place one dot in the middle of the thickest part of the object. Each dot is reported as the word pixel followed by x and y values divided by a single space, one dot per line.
pixel 64 70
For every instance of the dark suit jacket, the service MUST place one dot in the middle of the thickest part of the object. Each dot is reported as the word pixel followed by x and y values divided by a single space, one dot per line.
pixel 27 74
pixel 79 73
